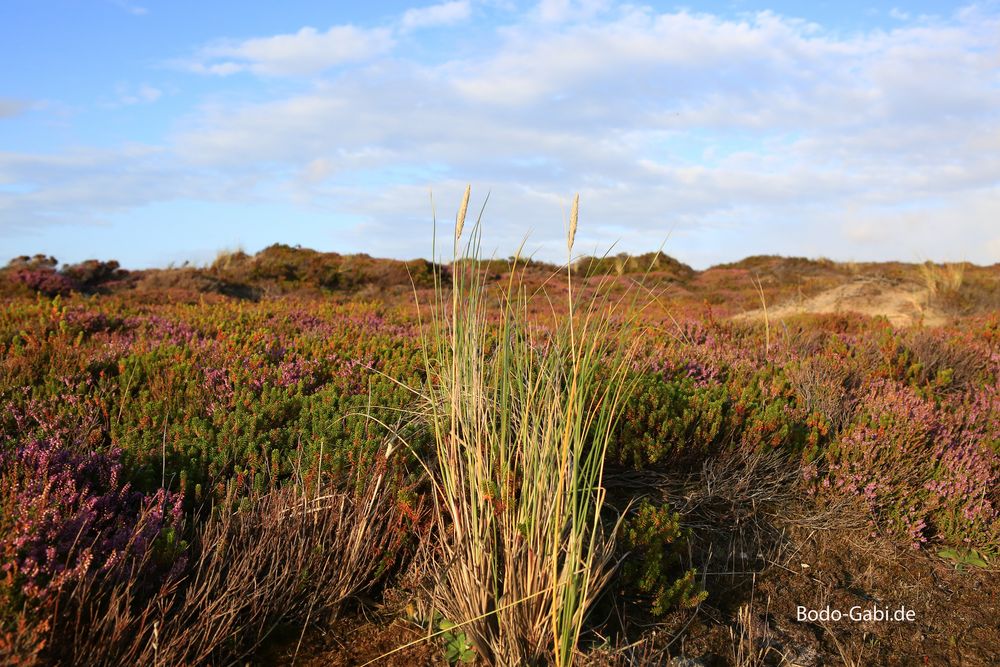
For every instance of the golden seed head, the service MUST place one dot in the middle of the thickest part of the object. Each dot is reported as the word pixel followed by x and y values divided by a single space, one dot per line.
pixel 574 216
pixel 462 210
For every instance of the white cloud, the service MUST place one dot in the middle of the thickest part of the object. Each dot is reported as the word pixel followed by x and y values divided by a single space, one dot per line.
pixel 86 186
pixel 305 52
pixel 309 51
pixel 446 13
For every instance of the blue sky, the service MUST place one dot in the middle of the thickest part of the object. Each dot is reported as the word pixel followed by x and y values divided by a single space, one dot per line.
pixel 163 131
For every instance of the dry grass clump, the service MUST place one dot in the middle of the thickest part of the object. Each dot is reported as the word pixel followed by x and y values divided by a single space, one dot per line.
pixel 727 490
pixel 742 509
pixel 942 279
pixel 747 649
pixel 752 643
pixel 828 386
pixel 736 506
pixel 227 260
pixel 280 559
pixel 946 286
pixel 521 417
pixel 952 366
pixel 649 650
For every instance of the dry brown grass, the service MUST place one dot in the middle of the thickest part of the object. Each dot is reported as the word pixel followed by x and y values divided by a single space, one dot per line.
pixel 752 644
pixel 826 386
pixel 283 558
pixel 852 654
pixel 937 358
pixel 942 279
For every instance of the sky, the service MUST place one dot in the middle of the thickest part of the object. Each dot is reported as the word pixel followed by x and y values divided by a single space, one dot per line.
pixel 163 131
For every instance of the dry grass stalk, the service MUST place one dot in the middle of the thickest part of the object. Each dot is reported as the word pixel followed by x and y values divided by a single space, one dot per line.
pixel 767 320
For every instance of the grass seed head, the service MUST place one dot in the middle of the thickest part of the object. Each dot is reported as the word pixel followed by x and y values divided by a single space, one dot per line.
pixel 574 217
pixel 462 210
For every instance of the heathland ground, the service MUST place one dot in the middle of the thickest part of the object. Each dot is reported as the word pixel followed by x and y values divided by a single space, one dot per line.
pixel 320 458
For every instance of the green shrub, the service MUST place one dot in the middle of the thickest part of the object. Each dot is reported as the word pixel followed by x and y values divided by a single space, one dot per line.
pixel 656 543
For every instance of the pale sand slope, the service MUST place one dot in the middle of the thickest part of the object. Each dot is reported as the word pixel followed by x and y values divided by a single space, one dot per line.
pixel 902 303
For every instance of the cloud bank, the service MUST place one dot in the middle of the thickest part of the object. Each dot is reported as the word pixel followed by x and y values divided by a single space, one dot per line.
pixel 759 133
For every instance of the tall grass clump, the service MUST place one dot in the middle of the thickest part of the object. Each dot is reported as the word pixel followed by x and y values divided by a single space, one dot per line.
pixel 942 280
pixel 521 415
